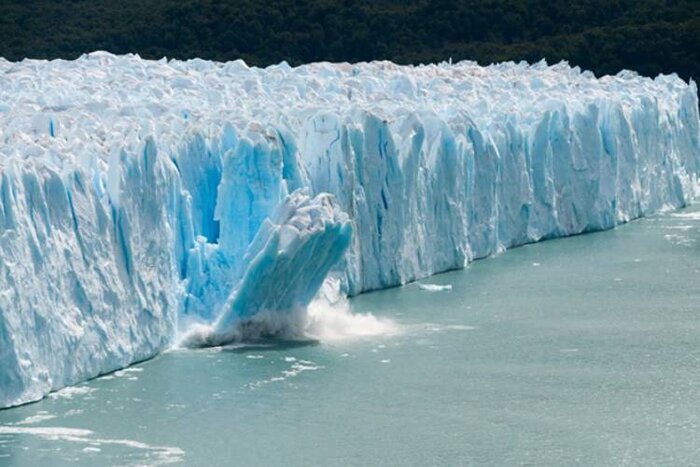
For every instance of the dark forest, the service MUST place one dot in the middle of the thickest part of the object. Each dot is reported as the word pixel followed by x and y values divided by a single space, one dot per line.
pixel 605 36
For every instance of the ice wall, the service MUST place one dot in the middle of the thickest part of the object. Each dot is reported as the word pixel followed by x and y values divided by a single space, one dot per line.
pixel 86 282
pixel 137 196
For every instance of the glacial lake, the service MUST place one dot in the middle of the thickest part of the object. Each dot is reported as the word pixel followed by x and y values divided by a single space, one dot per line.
pixel 583 350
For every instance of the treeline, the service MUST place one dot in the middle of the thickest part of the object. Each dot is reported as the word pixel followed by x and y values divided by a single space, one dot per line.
pixel 649 36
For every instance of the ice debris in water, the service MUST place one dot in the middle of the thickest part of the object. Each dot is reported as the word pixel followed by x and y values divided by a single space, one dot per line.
pixel 434 287
pixel 139 198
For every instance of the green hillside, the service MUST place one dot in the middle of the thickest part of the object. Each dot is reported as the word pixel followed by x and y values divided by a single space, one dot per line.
pixel 650 36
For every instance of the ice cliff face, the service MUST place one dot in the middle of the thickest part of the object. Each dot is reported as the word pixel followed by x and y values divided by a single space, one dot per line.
pixel 136 196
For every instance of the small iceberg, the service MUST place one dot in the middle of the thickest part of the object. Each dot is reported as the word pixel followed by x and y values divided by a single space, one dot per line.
pixel 435 287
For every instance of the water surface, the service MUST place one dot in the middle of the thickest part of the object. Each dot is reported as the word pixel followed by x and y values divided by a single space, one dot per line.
pixel 581 350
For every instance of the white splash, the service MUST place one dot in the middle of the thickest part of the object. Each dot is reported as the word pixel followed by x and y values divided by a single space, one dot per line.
pixel 332 321
pixel 328 318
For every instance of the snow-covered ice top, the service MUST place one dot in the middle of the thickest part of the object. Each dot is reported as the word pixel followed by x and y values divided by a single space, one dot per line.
pixel 138 197
pixel 101 102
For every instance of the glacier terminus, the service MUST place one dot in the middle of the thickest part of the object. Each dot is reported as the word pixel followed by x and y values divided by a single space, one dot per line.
pixel 146 204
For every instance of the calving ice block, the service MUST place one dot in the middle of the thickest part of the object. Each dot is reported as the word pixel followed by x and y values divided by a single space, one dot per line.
pixel 143 201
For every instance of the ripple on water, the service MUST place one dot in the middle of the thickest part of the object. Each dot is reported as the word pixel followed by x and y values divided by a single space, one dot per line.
pixel 157 455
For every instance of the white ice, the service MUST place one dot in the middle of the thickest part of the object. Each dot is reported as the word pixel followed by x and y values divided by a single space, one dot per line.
pixel 434 287
pixel 138 197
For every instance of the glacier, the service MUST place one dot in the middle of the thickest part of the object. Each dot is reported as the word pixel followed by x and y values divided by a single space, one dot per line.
pixel 145 204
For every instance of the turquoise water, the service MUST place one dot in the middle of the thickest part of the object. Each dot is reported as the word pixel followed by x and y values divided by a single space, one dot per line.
pixel 583 350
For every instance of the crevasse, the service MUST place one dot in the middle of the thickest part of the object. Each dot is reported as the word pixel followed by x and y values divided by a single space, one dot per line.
pixel 141 200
